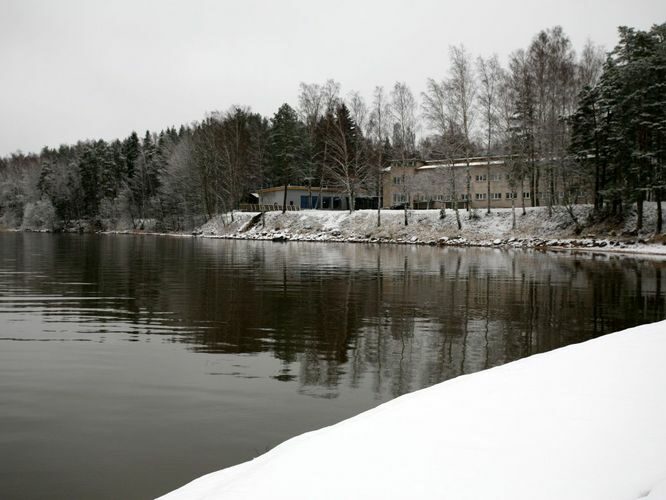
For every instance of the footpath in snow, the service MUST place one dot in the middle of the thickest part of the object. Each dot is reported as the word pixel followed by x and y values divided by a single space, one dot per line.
pixel 535 229
pixel 586 421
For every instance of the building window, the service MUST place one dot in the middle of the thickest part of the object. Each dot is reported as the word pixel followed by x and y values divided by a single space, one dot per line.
pixel 495 177
pixel 439 197
pixel 526 194
pixel 496 196
pixel 399 198
pixel 481 178
pixel 511 196
pixel 463 197
pixel 479 196
pixel 397 181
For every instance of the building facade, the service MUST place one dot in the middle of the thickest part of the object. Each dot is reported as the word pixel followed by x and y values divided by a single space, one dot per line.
pixel 303 197
pixel 419 184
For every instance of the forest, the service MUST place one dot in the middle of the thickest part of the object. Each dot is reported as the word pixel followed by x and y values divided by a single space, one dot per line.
pixel 593 115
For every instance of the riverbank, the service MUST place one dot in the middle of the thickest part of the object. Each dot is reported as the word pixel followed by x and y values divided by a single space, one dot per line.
pixel 534 229
pixel 580 422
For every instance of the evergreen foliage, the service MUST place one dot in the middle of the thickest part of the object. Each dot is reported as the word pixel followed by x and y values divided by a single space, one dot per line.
pixel 619 127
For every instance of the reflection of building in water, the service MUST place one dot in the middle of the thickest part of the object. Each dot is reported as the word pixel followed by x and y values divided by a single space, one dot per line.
pixel 408 317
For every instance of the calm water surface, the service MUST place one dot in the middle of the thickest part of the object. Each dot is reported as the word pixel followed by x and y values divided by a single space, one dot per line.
pixel 130 365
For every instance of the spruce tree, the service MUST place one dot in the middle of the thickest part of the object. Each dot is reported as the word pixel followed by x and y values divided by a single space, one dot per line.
pixel 286 147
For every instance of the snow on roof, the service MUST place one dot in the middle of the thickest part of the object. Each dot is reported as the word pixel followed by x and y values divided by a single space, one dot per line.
pixel 463 164
pixel 581 422
pixel 313 189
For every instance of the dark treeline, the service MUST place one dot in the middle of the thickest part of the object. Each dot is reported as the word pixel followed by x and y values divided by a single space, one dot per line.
pixel 562 118
pixel 620 124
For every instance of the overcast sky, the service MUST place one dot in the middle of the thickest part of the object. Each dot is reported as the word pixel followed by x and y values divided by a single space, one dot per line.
pixel 73 70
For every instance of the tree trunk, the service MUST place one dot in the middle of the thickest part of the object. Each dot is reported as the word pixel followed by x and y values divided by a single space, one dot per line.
pixel 659 214
pixel 488 182
pixel 513 213
pixel 284 198
pixel 379 197
pixel 407 197
pixel 469 181
pixel 639 210
pixel 551 190
pixel 597 186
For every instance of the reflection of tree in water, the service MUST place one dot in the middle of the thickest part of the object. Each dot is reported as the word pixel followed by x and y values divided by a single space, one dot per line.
pixel 396 318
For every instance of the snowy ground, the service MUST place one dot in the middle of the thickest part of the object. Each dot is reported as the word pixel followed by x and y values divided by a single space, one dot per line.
pixel 534 229
pixel 582 422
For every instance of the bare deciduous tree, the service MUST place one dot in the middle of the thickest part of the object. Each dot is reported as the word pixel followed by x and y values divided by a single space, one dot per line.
pixel 358 111
pixel 490 76
pixel 590 64
pixel 463 91
pixel 378 133
pixel 403 113
pixel 347 168
pixel 437 109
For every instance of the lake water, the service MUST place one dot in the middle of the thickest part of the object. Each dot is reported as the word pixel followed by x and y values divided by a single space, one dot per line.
pixel 130 365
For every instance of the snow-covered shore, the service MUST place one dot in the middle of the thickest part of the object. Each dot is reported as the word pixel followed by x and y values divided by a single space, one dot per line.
pixel 533 230
pixel 581 422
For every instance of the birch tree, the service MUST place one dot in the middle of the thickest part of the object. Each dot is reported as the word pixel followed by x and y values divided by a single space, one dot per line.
pixel 348 168
pixel 378 133
pixel 463 91
pixel 489 75
pixel 403 114
pixel 358 111
pixel 437 109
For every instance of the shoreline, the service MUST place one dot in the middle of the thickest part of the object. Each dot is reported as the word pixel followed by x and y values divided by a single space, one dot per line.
pixel 560 246
pixel 534 230
pixel 334 227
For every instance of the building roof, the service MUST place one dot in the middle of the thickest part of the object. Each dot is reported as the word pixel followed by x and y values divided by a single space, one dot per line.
pixel 314 189
pixel 458 163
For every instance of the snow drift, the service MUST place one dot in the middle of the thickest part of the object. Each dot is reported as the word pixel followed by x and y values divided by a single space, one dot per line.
pixel 582 422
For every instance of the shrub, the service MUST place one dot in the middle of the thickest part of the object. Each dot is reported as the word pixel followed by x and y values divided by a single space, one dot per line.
pixel 39 215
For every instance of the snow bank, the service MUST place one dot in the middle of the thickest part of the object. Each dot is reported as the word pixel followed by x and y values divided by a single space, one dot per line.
pixel 535 229
pixel 583 422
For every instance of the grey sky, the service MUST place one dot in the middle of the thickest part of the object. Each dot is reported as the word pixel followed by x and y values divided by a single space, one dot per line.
pixel 73 70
